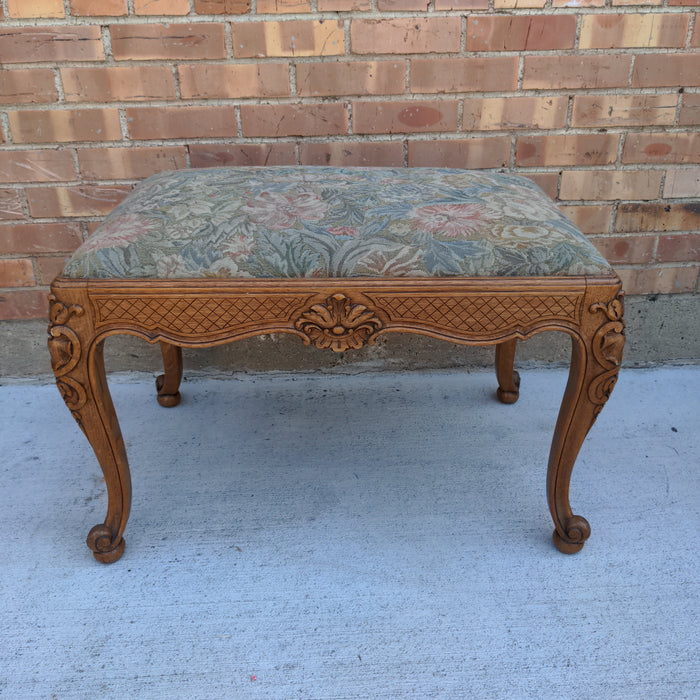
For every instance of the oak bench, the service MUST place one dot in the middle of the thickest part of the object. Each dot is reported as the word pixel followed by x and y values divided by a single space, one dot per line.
pixel 336 256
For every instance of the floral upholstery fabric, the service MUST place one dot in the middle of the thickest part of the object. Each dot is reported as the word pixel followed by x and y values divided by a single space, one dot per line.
pixel 321 222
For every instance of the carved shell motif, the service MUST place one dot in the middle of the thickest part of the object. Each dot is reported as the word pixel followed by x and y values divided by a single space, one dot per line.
pixel 338 324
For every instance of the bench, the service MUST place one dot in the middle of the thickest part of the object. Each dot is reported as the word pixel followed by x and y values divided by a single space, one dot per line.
pixel 336 256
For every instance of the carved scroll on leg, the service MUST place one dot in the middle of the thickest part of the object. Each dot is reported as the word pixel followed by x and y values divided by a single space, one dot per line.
pixel 168 383
pixel 595 363
pixel 508 379
pixel 78 366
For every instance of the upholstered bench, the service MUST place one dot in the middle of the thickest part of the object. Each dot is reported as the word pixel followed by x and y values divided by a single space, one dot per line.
pixel 337 257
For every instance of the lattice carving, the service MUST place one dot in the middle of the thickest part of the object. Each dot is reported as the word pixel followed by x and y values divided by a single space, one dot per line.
pixel 478 314
pixel 338 324
pixel 196 315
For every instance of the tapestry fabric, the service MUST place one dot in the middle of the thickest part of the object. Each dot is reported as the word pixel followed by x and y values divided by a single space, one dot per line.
pixel 323 222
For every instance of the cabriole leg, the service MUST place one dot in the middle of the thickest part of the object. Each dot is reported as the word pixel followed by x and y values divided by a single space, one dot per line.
pixel 508 379
pixel 595 363
pixel 168 383
pixel 78 366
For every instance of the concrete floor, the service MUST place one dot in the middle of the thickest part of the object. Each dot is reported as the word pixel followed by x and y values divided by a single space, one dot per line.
pixel 369 536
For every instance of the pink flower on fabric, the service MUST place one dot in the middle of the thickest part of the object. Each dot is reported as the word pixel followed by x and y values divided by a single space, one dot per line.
pixel 344 231
pixel 238 247
pixel 452 220
pixel 118 233
pixel 279 211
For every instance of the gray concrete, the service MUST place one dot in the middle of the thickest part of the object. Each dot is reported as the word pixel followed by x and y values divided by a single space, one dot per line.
pixel 370 536
pixel 659 329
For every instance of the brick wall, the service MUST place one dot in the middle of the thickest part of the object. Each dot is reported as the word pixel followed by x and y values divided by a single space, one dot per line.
pixel 598 101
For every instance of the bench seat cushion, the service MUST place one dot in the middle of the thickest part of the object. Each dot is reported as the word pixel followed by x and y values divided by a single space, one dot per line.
pixel 292 222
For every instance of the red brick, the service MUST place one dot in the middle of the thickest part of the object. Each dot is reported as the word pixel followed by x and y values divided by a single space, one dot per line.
pixel 37 166
pixel 17 273
pixel 405 35
pixel 280 7
pixel 180 122
pixel 32 44
pixel 461 5
pixel 402 5
pixel 50 268
pixel 578 3
pixel 234 81
pixel 222 7
pixel 492 74
pixel 661 147
pixel 695 39
pixel 43 9
pixel 404 117
pixel 218 154
pixel 568 149
pixel 638 2
pixel 341 5
pixel 82 200
pixel 671 216
pixel 65 125
pixel 107 8
pixel 547 182
pixel 123 83
pixel 353 78
pixel 463 153
pixel 625 249
pixel 168 41
pixel 352 153
pixel 690 110
pixel 610 184
pixel 521 32
pixel 576 72
pixel 26 303
pixel 518 4
pixel 682 183
pixel 514 113
pixel 161 7
pixel 131 163
pixel 630 30
pixel 590 218
pixel 666 70
pixel 684 3
pixel 28 239
pixel 624 110
pixel 11 204
pixel 294 120
pixel 295 37
pixel 663 280
pixel 679 248
pixel 27 85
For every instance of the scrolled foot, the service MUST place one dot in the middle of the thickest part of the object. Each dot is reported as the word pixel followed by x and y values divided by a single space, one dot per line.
pixel 577 531
pixel 166 400
pixel 510 396
pixel 99 540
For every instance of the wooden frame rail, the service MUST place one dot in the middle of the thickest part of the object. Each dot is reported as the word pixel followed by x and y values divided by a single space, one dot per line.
pixel 337 314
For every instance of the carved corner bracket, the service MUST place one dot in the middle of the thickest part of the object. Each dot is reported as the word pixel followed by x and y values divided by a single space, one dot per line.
pixel 338 324
pixel 607 346
pixel 66 350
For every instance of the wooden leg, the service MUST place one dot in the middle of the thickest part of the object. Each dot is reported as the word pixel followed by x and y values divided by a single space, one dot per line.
pixel 508 378
pixel 168 384
pixel 595 363
pixel 78 365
